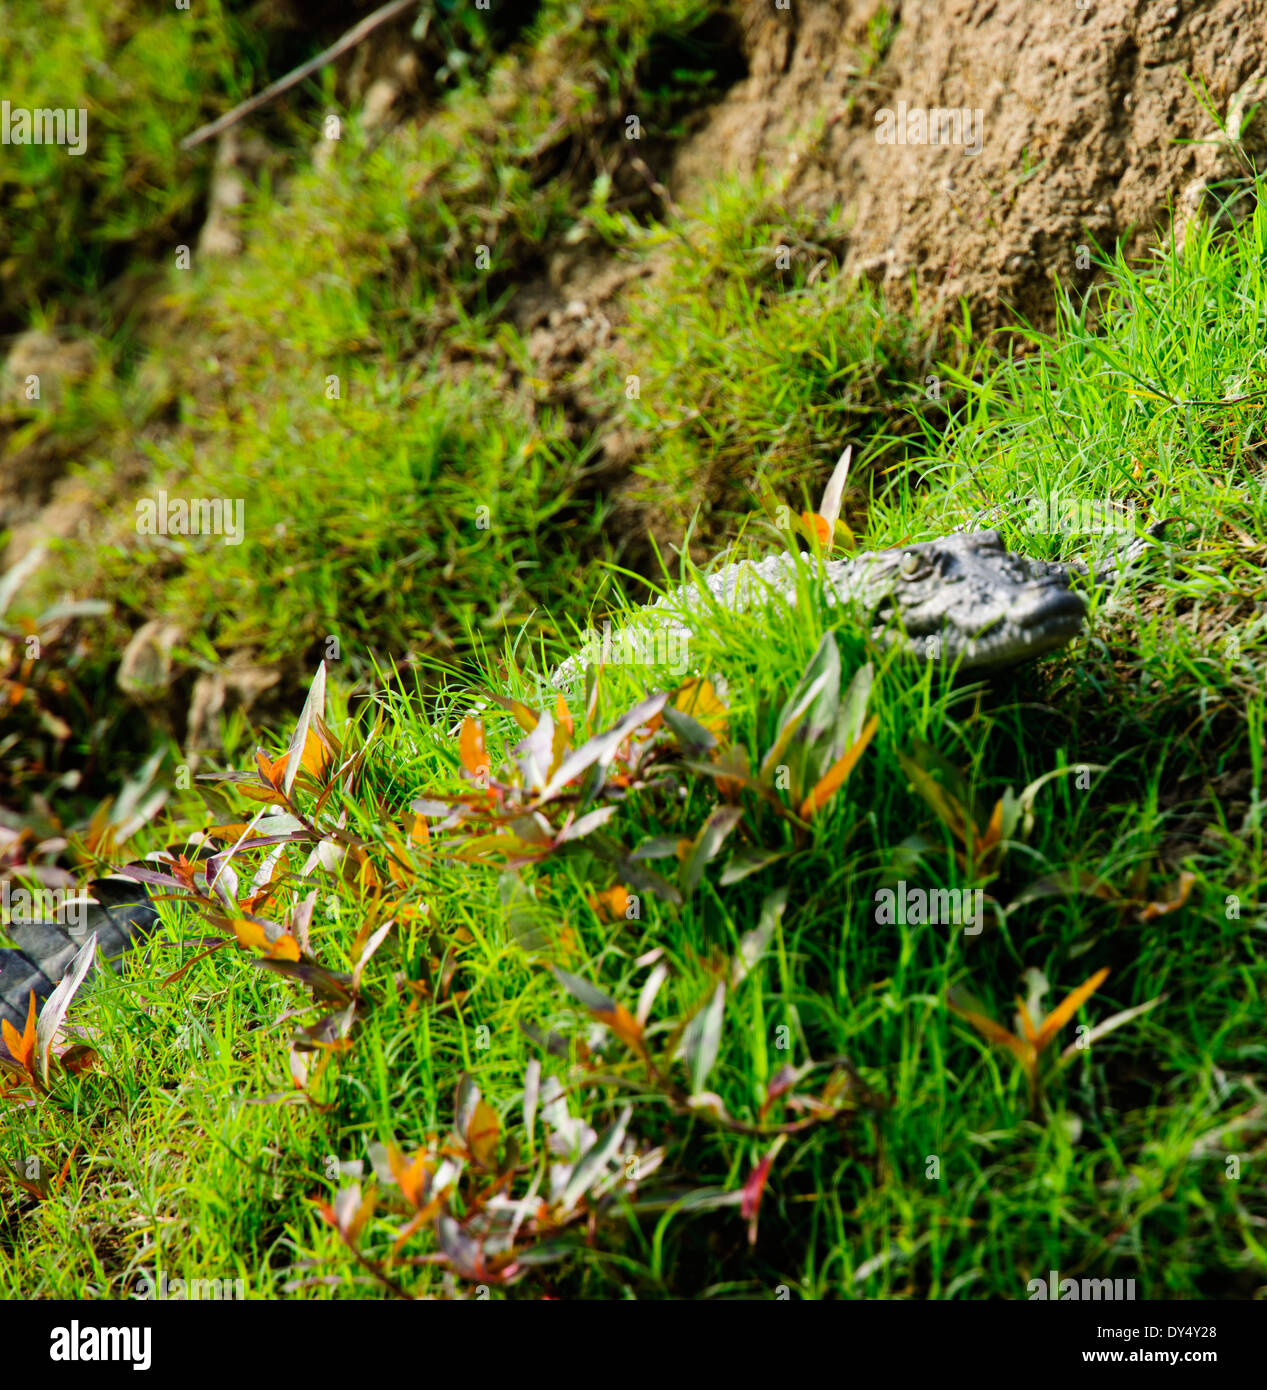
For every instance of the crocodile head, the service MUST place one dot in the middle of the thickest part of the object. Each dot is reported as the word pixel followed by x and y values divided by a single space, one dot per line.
pixel 964 600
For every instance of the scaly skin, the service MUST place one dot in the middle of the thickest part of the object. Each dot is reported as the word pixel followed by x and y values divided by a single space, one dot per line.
pixel 117 909
pixel 963 600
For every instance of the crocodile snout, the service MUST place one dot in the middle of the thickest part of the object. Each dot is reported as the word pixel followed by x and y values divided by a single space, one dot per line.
pixel 1049 602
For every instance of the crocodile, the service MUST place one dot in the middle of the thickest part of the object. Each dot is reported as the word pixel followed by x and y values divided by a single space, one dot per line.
pixel 117 909
pixel 964 600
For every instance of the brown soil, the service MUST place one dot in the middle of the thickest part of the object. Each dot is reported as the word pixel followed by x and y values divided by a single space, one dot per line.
pixel 1083 115
pixel 1086 115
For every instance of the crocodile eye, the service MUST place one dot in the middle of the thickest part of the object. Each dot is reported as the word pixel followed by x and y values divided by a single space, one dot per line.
pixel 910 565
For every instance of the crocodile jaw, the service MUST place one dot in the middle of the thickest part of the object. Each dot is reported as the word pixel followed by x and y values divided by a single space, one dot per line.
pixel 1008 642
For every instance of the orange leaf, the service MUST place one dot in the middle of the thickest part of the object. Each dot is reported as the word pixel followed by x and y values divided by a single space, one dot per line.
pixel 526 717
pixel 482 1134
pixel 559 745
pixel 363 1214
pixel 61 1177
pixel 409 1175
pixel 611 904
pixel 367 876
pixel 249 933
pixel 817 526
pixel 1151 911
pixel 562 715
pixel 400 876
pixel 1061 1015
pixel 625 1026
pixel 700 700
pixel 232 831
pixel 510 846
pixel 993 831
pixel 265 794
pixel 838 773
pixel 270 771
pixel 471 748
pixel 22 1045
pixel 98 834
pixel 316 756
pixel 994 1032
pixel 421 1218
pixel 419 834
pixel 12 1040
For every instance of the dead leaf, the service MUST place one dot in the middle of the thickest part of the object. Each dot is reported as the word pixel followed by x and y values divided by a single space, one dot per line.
pixel 1178 897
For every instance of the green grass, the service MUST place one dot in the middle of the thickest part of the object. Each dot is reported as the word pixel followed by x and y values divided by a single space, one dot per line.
pixel 144 83
pixel 754 360
pixel 961 1184
pixel 353 380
